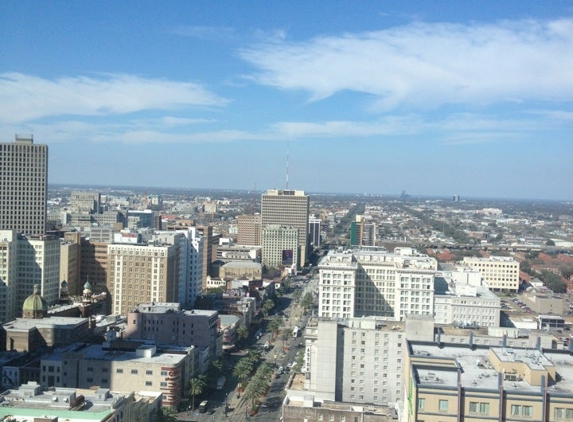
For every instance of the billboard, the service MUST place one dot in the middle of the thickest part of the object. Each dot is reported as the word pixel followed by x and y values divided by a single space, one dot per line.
pixel 287 257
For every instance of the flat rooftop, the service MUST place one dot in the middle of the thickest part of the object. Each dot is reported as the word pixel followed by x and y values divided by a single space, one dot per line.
pixel 478 372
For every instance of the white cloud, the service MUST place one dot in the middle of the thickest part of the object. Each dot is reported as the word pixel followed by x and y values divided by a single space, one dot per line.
pixel 24 98
pixel 428 64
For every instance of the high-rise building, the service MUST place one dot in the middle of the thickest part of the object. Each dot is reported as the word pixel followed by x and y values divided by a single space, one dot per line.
pixel 85 202
pixel 249 230
pixel 314 231
pixel 288 208
pixel 142 273
pixel 280 246
pixel 362 232
pixel 23 186
pixel 8 274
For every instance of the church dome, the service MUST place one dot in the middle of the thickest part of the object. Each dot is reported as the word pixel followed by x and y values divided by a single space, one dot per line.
pixel 34 304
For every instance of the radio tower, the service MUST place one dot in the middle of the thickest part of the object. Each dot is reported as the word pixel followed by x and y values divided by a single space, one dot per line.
pixel 287 165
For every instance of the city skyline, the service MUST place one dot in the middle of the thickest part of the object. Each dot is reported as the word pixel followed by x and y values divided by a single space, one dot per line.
pixel 473 99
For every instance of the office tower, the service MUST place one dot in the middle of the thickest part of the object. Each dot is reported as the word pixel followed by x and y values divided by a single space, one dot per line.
pixel 23 186
pixel 142 273
pixel 249 230
pixel 500 273
pixel 362 233
pixel 288 208
pixel 314 228
pixel 70 258
pixel 376 283
pixel 456 198
pixel 209 250
pixel 94 265
pixel 280 244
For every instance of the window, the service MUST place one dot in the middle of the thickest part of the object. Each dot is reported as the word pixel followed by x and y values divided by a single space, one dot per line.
pixel 148 372
pixel 484 408
pixel 163 373
pixel 527 411
pixel 320 417
pixel 148 383
pixel 119 371
pixel 443 405
pixel 134 371
pixel 421 404
pixel 515 410
pixel 163 384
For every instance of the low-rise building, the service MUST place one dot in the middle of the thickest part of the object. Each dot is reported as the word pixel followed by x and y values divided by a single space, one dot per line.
pixel 500 273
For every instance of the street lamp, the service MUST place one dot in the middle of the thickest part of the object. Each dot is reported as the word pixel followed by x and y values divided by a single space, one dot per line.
pixel 226 404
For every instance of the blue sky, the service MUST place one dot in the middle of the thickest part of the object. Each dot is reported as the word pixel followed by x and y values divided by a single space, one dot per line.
pixel 430 97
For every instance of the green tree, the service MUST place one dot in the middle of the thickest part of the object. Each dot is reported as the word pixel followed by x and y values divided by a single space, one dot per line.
pixel 267 306
pixel 285 335
pixel 567 272
pixel 525 266
pixel 306 301
pixel 242 371
pixel 242 333
pixel 257 387
pixel 296 295
pixel 165 414
pixel 275 325
pixel 553 281
pixel 254 356
pixel 196 387
pixel 549 243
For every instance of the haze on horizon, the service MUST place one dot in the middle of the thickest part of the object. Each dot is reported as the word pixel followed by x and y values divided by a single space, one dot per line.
pixel 467 98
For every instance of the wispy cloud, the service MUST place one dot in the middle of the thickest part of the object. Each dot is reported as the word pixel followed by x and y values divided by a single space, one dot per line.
pixel 25 98
pixel 426 65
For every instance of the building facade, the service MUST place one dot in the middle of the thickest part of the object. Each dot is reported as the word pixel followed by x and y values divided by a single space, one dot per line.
pixel 280 246
pixel 288 208
pixel 23 186
pixel 374 282
pixel 249 230
pixel 141 274
pixel 499 272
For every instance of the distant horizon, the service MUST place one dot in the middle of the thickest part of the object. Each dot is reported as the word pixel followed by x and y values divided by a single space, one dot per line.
pixel 447 198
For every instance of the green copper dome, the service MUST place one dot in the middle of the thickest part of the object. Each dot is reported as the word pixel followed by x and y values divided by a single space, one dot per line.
pixel 35 302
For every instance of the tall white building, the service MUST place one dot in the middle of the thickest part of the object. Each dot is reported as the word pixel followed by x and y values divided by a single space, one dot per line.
pixel 8 274
pixel 374 282
pixel 288 208
pixel 23 186
pixel 500 273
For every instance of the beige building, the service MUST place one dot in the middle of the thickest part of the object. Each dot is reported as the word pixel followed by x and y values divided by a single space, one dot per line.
pixel 141 274
pixel 70 259
pixel 85 202
pixel 288 208
pixel 476 383
pixel 280 246
pixel 8 274
pixel 375 282
pixel 143 369
pixel 249 230
pixel 498 272
pixel 23 186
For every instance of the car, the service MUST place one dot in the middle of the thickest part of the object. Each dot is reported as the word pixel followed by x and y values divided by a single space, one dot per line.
pixel 277 375
pixel 204 406
pixel 281 369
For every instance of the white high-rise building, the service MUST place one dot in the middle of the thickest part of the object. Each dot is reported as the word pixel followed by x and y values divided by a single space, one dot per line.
pixel 280 245
pixel 23 186
pixel 288 208
pixel 374 282
pixel 8 274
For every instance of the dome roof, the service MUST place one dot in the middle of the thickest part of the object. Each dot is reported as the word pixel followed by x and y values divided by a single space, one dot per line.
pixel 35 302
pixel 87 286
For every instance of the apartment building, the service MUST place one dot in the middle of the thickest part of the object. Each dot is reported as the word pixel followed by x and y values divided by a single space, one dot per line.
pixel 141 273
pixel 374 282
pixel 315 232
pixel 477 383
pixel 23 186
pixel 500 273
pixel 288 208
pixel 280 246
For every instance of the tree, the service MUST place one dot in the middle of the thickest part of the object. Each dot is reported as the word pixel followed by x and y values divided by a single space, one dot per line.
pixel 257 387
pixel 267 306
pixel 553 281
pixel 306 301
pixel 165 414
pixel 285 335
pixel 275 325
pixel 254 356
pixel 196 387
pixel 567 272
pixel 296 295
pixel 525 266
pixel 550 243
pixel 243 370
pixel 242 333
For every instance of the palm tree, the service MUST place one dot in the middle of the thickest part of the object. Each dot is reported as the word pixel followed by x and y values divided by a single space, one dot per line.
pixel 267 306
pixel 275 324
pixel 285 335
pixel 242 333
pixel 254 356
pixel 165 414
pixel 265 371
pixel 196 387
pixel 243 370
pixel 257 387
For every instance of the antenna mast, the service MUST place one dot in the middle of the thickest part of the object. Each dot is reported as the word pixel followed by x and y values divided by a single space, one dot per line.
pixel 287 165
